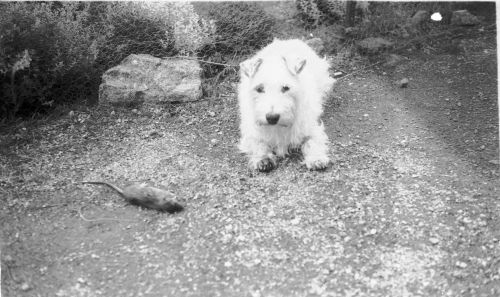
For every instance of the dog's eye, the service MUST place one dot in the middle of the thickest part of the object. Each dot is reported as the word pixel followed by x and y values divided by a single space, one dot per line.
pixel 260 89
pixel 285 89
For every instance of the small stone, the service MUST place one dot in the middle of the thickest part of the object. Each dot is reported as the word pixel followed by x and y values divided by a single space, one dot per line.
pixel 461 264
pixel 81 280
pixel 482 147
pixel 392 60
pixel 135 111
pixel 211 113
pixel 214 141
pixel 112 112
pixel 403 83
pixel 459 103
pixel 154 134
pixel 8 259
pixel 338 74
pixel 25 287
pixel 373 232
pixel 372 45
pixel 295 221
pixel 71 114
pixel 436 17
pixel 434 240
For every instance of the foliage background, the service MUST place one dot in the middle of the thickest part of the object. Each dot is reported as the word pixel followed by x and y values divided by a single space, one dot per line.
pixel 55 53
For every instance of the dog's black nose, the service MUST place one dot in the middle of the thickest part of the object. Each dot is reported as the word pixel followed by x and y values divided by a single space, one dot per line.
pixel 272 118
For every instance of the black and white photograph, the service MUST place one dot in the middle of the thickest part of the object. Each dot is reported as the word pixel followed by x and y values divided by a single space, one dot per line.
pixel 309 148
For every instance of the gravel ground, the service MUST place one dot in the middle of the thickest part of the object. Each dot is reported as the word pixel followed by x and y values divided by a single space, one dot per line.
pixel 409 206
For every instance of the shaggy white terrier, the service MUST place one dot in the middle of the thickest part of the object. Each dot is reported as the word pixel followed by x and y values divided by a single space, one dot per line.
pixel 280 96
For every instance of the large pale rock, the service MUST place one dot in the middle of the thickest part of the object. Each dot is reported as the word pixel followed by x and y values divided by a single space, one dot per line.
pixel 373 45
pixel 144 78
pixel 463 18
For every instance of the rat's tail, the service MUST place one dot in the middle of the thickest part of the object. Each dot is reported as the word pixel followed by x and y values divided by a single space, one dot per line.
pixel 120 191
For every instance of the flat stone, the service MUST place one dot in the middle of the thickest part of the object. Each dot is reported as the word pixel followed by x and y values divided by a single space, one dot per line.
pixel 463 18
pixel 419 18
pixel 372 45
pixel 403 83
pixel 392 60
pixel 146 79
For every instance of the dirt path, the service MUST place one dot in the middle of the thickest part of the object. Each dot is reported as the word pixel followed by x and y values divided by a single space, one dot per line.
pixel 409 207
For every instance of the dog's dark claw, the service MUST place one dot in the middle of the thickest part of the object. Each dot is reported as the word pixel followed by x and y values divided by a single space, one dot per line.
pixel 265 165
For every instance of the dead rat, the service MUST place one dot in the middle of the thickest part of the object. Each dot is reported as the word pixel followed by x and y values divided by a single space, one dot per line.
pixel 146 196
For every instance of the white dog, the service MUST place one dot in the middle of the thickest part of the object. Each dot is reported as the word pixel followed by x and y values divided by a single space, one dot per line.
pixel 280 96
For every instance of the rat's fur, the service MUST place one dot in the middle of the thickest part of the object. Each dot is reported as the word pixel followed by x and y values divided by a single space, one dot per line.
pixel 145 196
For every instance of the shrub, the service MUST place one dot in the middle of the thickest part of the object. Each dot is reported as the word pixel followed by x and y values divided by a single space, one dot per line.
pixel 129 30
pixel 392 18
pixel 191 32
pixel 156 28
pixel 51 44
pixel 240 30
pixel 56 52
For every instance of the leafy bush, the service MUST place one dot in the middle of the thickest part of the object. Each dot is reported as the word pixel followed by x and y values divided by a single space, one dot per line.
pixel 50 43
pixel 156 28
pixel 240 30
pixel 128 29
pixel 191 32
pixel 392 18
pixel 56 52
pixel 384 18
pixel 309 13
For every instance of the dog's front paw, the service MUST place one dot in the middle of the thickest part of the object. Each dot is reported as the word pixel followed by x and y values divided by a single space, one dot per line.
pixel 317 163
pixel 264 165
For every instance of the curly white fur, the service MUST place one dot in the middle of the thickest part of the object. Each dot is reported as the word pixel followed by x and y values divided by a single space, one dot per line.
pixel 288 80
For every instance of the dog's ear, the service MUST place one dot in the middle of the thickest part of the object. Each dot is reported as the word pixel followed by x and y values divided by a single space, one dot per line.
pixel 294 64
pixel 250 67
